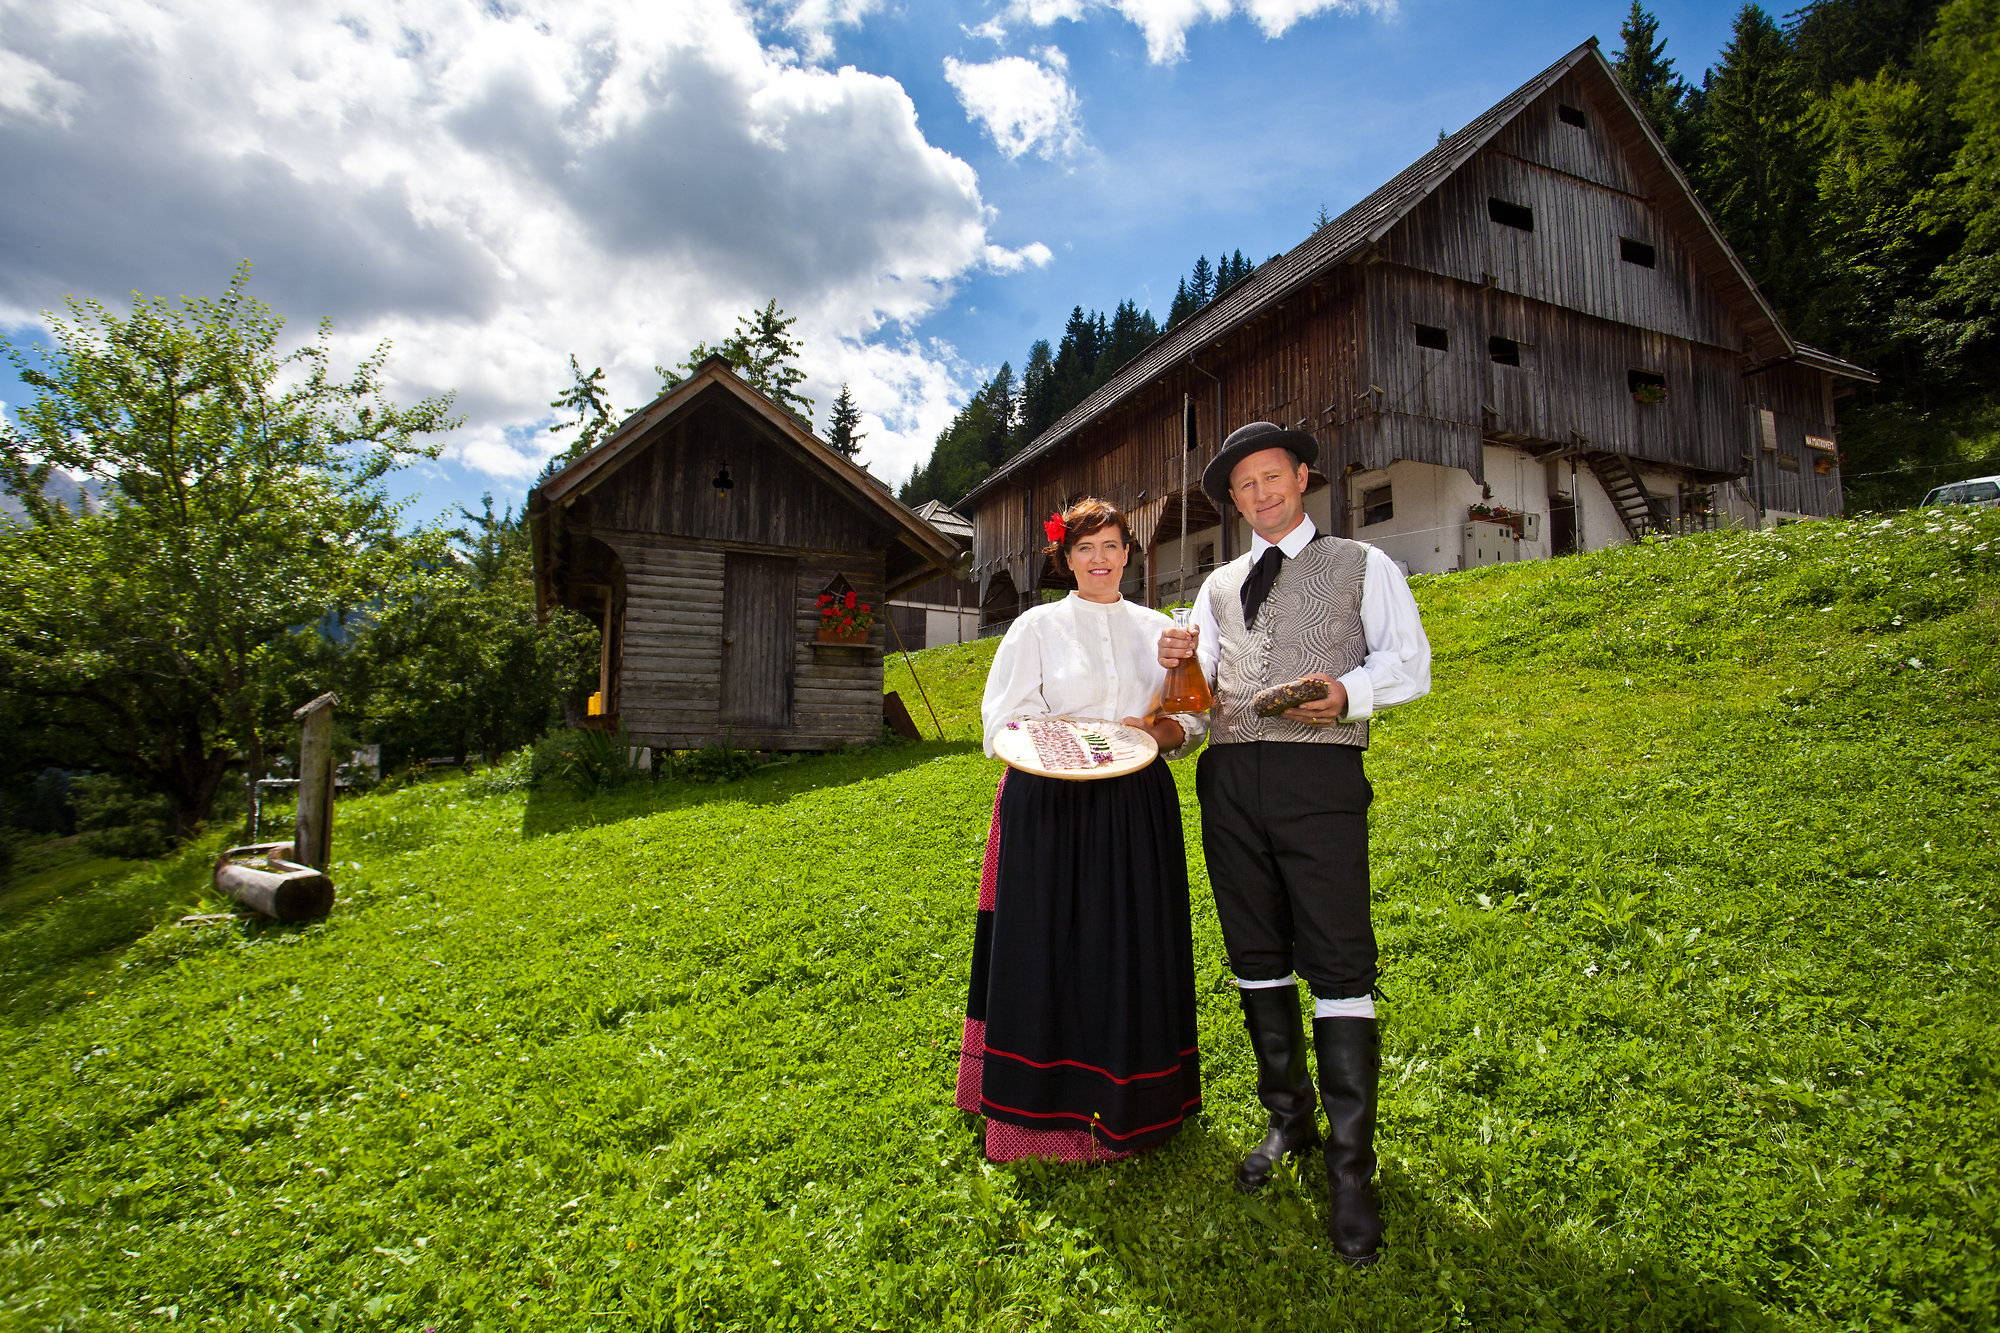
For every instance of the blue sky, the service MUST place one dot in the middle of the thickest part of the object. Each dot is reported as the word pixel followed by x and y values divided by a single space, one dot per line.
pixel 928 186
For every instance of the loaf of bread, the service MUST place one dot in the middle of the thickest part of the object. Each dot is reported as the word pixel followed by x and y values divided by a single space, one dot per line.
pixel 1271 702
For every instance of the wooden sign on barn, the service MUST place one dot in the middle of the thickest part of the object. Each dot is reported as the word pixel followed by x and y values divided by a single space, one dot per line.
pixel 699 537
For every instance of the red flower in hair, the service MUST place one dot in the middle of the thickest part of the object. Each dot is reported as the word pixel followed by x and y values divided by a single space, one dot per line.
pixel 1055 527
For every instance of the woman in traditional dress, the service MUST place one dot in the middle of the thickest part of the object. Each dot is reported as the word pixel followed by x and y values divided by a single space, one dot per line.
pixel 1080 1028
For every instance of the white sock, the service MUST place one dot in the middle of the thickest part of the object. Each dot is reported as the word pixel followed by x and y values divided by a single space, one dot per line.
pixel 1290 979
pixel 1360 1006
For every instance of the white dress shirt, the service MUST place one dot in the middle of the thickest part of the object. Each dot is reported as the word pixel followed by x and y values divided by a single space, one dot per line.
pixel 1398 666
pixel 1075 658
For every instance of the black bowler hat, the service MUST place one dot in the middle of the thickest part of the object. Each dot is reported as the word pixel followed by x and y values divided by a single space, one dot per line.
pixel 1244 441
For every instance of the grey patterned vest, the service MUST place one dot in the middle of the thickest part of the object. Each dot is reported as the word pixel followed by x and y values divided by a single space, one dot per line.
pixel 1310 624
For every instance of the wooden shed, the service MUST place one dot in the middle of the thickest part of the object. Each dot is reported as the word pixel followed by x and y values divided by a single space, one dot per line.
pixel 1532 340
pixel 699 537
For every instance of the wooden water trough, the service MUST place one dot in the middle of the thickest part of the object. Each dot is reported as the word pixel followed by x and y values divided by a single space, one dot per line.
pixel 264 878
pixel 287 881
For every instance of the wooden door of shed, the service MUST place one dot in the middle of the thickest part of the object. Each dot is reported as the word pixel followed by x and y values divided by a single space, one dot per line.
pixel 758 593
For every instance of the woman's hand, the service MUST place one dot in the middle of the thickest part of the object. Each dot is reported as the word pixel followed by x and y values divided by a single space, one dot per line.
pixel 1176 646
pixel 1166 732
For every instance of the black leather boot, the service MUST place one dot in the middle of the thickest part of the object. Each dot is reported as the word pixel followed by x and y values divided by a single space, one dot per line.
pixel 1350 1064
pixel 1278 1038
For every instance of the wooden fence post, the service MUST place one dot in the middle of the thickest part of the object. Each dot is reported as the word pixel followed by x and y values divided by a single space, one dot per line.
pixel 312 843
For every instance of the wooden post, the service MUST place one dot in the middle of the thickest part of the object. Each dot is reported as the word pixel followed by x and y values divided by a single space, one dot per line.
pixel 313 839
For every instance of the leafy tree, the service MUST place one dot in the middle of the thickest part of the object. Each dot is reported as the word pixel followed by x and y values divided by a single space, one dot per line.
pixel 585 397
pixel 841 435
pixel 456 662
pixel 763 351
pixel 1966 52
pixel 240 501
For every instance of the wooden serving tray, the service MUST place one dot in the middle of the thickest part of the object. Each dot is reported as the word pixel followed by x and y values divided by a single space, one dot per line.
pixel 1076 749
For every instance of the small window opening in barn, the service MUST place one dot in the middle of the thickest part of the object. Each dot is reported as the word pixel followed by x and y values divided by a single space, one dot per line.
pixel 1378 505
pixel 1637 252
pixel 1435 338
pixel 1645 386
pixel 1518 216
pixel 1570 115
pixel 723 483
pixel 1504 351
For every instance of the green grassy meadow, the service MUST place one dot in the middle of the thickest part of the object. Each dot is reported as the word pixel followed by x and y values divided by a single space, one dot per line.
pixel 1687 893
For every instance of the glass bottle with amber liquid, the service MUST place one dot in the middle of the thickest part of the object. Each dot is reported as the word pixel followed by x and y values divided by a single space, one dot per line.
pixel 1186 690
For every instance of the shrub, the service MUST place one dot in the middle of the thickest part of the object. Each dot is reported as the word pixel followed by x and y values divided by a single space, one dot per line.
pixel 116 820
pixel 583 761
pixel 715 763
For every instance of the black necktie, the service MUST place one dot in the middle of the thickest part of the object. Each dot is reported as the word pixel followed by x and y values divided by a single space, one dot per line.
pixel 1257 587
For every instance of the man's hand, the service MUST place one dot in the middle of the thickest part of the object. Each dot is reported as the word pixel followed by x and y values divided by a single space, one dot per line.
pixel 1177 646
pixel 1320 712
pixel 1166 732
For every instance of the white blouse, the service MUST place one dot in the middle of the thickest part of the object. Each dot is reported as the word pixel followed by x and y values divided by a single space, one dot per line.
pixel 1077 658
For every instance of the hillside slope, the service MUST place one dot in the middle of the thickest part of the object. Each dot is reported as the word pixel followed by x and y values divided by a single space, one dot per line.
pixel 1686 892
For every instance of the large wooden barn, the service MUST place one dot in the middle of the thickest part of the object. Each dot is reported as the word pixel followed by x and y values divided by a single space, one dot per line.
pixel 699 538
pixel 1534 340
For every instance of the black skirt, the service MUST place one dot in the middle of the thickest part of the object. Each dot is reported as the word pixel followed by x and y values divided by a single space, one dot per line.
pixel 1082 994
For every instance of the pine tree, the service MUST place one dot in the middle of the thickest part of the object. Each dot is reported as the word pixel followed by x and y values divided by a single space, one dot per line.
pixel 1201 283
pixel 1648 74
pixel 1076 360
pixel 1759 161
pixel 1132 329
pixel 1322 218
pixel 1836 42
pixel 1183 306
pixel 841 436
pixel 1038 396
pixel 996 443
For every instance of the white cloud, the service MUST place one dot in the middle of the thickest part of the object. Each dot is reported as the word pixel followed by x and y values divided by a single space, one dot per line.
pixel 1165 23
pixel 29 91
pixel 813 21
pixel 1023 105
pixel 1032 255
pixel 493 188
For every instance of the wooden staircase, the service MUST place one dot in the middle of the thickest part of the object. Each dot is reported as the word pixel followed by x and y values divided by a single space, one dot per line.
pixel 1644 514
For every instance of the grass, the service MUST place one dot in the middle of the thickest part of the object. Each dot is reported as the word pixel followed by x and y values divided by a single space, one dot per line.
pixel 1686 892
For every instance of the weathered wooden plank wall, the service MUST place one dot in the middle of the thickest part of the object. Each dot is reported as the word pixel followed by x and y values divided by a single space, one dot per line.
pixel 1570 387
pixel 673 656
pixel 1572 257
pixel 1295 365
pixel 775 500
pixel 1800 403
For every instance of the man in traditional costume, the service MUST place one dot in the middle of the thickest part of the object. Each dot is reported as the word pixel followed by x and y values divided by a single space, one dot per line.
pixel 1284 803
